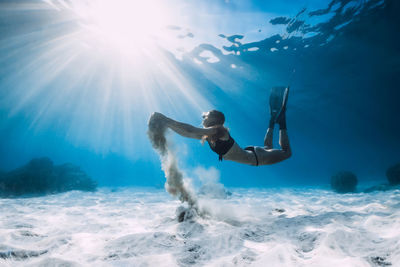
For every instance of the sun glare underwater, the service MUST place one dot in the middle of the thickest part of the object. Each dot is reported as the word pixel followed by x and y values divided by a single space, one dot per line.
pixel 80 182
pixel 79 80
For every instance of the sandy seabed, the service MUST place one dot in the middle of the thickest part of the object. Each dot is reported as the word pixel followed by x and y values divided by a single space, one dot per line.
pixel 251 227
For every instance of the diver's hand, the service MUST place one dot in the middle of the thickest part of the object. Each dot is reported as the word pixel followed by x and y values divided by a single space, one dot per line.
pixel 160 118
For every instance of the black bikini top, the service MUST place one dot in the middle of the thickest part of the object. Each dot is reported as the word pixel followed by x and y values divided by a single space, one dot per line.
pixel 221 147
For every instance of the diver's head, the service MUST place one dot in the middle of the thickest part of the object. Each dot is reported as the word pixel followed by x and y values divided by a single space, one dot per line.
pixel 213 118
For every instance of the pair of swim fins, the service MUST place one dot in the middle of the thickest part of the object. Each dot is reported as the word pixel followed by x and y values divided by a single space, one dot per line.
pixel 278 102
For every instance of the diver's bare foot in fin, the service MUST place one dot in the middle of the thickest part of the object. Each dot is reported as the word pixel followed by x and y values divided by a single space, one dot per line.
pixel 277 104
pixel 281 117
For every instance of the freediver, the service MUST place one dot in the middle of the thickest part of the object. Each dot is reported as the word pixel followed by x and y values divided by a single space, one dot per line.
pixel 221 142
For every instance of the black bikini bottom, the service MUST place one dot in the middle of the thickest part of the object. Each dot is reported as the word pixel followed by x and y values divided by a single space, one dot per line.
pixel 252 149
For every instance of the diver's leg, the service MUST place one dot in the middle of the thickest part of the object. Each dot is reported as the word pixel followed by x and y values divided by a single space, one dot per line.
pixel 283 136
pixel 270 156
pixel 268 138
pixel 277 107
pixel 278 155
pixel 274 108
pixel 284 142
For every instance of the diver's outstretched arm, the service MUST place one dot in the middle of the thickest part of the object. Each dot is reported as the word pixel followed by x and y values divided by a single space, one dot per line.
pixel 185 129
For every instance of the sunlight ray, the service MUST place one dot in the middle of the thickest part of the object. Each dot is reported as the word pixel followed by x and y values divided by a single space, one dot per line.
pixel 98 76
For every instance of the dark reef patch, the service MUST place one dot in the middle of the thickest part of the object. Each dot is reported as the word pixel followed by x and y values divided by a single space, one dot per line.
pixel 41 177
pixel 393 174
pixel 344 182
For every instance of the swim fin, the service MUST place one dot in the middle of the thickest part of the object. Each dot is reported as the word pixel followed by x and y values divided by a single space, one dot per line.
pixel 278 102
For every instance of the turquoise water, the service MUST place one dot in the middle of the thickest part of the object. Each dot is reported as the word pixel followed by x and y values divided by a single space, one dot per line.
pixel 79 80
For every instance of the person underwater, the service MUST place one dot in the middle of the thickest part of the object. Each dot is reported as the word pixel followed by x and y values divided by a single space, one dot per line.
pixel 221 142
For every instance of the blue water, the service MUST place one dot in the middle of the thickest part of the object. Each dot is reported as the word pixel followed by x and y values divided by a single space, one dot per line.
pixel 73 96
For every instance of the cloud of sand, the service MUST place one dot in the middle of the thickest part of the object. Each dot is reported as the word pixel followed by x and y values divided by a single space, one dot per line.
pixel 211 187
pixel 175 184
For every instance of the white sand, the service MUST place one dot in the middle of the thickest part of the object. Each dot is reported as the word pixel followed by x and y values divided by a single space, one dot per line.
pixel 138 227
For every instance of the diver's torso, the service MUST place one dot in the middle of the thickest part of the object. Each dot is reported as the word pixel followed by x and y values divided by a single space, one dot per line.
pixel 228 149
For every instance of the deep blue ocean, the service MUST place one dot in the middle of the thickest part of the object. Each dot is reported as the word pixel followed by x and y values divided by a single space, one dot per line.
pixel 79 86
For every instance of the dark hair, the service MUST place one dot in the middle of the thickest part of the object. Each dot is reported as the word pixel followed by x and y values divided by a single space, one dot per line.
pixel 218 119
pixel 218 116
